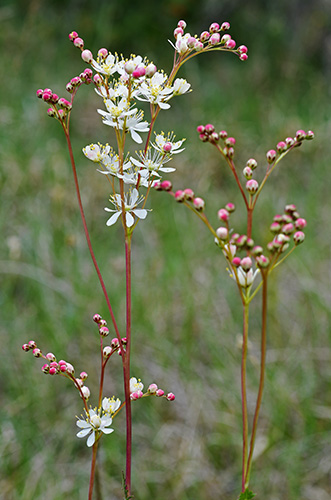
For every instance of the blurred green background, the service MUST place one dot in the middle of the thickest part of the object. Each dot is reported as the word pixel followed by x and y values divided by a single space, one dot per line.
pixel 187 318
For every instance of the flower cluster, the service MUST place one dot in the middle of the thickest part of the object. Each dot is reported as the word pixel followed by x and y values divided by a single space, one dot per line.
pixel 98 420
pixel 136 391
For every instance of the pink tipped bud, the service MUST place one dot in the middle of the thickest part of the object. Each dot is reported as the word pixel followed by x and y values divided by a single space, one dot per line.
pixel 223 214
pixel 262 261
pixel 69 88
pixel 103 53
pixel 151 70
pixel 63 368
pixel 166 185
pixel 32 344
pixel 252 186
pixel 181 24
pixel 213 137
pixel 230 44
pixel 251 163
pixel 50 356
pixel 152 388
pixel 248 173
pixel 275 227
pixel 97 80
pixel 203 137
pixel 97 318
pixel 214 27
pixel 45 368
pixel 26 347
pixel 200 129
pixel 47 96
pixel 242 49
pixel 300 223
pixel 214 39
pixel 115 342
pixel 52 370
pixel 223 134
pixel 107 350
pixel 157 186
pixel 271 155
pixel 298 237
pixel 36 352
pixel 104 331
pixel 70 369
pixel 85 392
pixel 230 141
pixel 51 112
pixel 139 72
pixel 178 31
pixel 136 395
pixel 236 261
pixel 230 207
pixel 290 208
pixel 241 240
pixel 246 263
pixel 289 141
pixel 310 135
pixel 288 228
pixel 225 38
pixel 124 340
pixel 257 250
pixel 167 147
pixel 39 93
pixel 179 195
pixel 204 36
pixel 209 128
pixel 87 56
pixel 73 35
pixel 62 362
pixel 243 57
pixel 225 26
pixel 79 42
pixel 170 396
pixel 300 135
pixel 281 147
pixel 64 104
pixel 199 204
pixel 191 41
pixel 83 375
pixel 198 46
pixel 189 194
pixel 222 233
pixel 159 393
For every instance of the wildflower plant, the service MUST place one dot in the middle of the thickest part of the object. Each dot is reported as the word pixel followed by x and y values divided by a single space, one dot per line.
pixel 123 85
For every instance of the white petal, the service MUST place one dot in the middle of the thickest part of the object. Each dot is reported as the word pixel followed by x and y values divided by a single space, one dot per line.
pixel 129 219
pixel 140 212
pixel 113 219
pixel 164 105
pixel 134 197
pixel 136 137
pixel 83 433
pixel 83 424
pixel 90 440
pixel 107 431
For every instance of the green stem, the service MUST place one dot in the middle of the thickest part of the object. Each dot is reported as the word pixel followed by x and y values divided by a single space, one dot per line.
pixel 262 372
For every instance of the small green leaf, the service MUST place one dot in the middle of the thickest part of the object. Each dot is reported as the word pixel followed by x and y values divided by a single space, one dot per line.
pixel 247 495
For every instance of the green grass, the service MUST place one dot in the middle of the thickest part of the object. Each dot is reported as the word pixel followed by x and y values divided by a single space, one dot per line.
pixel 186 318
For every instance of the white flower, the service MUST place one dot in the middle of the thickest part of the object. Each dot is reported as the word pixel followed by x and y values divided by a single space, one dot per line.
pixel 115 110
pixel 181 86
pixel 130 203
pixel 135 124
pixel 181 43
pixel 135 385
pixel 161 140
pixel 151 163
pixel 93 425
pixel 106 66
pixel 110 405
pixel 96 152
pixel 155 91
pixel 245 278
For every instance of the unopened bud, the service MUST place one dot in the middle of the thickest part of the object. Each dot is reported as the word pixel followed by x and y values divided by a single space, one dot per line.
pixel 271 155
pixel 252 186
pixel 199 204
pixel 298 237
pixel 170 396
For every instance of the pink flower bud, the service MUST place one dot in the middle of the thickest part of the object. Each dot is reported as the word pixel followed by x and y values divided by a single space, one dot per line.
pixel 200 129
pixel 225 38
pixel 252 186
pixel 103 53
pixel 204 36
pixel 257 250
pixel 290 208
pixel 79 42
pixel 243 57
pixel 248 173
pixel 47 96
pixel 214 27
pixel 52 371
pixel 236 261
pixel 62 362
pixel 230 207
pixel 300 223
pixel 104 331
pixel 288 228
pixel 181 24
pixel 298 237
pixel 36 352
pixel 179 195
pixel 199 204
pixel 271 155
pixel 45 368
pixel 139 72
pixel 230 44
pixel 114 342
pixel 70 369
pixel 209 128
pixel 159 393
pixel 281 147
pixel 300 135
pixel 246 263
pixel 198 46
pixel 242 49
pixel 124 340
pixel 189 194
pixel 241 240
pixel 223 214
pixel 203 137
pixel 178 31
pixel 262 261
pixel 73 35
pixel 26 347
pixel 69 88
pixel 275 227
pixel 51 112
pixel 222 233
pixel 83 375
pixel 107 350
pixel 39 93
pixel 289 141
pixel 97 318
pixel 213 137
pixel 151 70
pixel 167 147
pixel 310 135
pixel 85 392
pixel 152 388
pixel 166 185
pixel 223 134
pixel 191 41
pixel 63 368
pixel 225 26
pixel 136 395
pixel 87 56
pixel 170 396
pixel 214 39
pixel 50 356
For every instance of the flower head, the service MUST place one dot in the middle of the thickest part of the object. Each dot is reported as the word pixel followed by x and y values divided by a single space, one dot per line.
pixel 131 200
pixel 94 425
pixel 135 385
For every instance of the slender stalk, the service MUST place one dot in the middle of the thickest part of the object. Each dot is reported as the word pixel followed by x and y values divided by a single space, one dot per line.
pixel 92 474
pixel 244 393
pixel 262 372
pixel 126 365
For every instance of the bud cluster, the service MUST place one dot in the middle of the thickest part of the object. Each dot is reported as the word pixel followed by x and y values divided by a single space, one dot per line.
pixel 207 40
pixel 207 133
pixel 283 227
pixel 152 390
pixel 114 346
pixel 288 143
